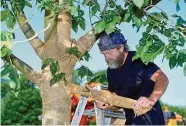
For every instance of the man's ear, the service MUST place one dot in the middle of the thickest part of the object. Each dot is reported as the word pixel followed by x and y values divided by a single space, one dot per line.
pixel 121 48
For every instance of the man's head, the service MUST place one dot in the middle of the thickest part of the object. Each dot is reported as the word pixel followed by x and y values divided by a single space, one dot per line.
pixel 113 46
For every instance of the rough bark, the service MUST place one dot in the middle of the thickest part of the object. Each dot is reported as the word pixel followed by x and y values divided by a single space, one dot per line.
pixel 56 102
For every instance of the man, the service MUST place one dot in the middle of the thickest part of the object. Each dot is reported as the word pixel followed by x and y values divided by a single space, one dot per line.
pixel 132 79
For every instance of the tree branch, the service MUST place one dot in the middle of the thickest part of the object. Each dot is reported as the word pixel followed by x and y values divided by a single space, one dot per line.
pixel 87 41
pixel 36 43
pixel 108 97
pixel 32 75
pixel 33 37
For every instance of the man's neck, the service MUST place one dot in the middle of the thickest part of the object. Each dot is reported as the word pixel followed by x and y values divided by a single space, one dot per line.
pixel 125 57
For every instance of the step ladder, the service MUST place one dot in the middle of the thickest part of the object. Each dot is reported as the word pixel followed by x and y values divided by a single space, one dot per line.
pixel 100 118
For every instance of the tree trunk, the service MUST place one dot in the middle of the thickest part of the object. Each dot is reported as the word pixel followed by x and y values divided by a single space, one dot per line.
pixel 57 98
pixel 56 102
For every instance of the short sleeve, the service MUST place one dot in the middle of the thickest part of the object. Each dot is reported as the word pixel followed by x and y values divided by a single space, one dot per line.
pixel 149 70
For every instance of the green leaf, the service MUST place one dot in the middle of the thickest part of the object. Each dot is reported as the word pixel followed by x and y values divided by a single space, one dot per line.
pixel 47 62
pixel 93 10
pixel 148 43
pixel 98 6
pixel 146 3
pixel 74 51
pixel 174 35
pixel 135 57
pixel 172 62
pixel 183 51
pixel 112 4
pixel 28 4
pixel 138 3
pixel 60 76
pixel 181 58
pixel 3 51
pixel 75 27
pixel 168 32
pixel 182 40
pixel 175 15
pixel 14 83
pixel 100 79
pixel 7 69
pixel 80 13
pixel 145 35
pixel 54 67
pixel 82 24
pixel 180 21
pixel 154 50
pixel 128 17
pixel 157 17
pixel 155 38
pixel 184 69
pixel 87 56
pixel 73 10
pixel 100 26
pixel 84 71
pixel 6 39
pixel 6 48
pixel 75 24
pixel 10 20
pixel 3 15
pixel 110 27
pixel 138 22
pixel 149 28
pixel 14 75
pixel 57 78
pixel 131 9
pixel 109 16
pixel 148 21
pixel 117 19
pixel 177 7
pixel 15 92
pixel 148 49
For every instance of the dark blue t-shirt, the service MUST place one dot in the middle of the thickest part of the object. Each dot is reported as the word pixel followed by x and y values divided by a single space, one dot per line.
pixel 132 80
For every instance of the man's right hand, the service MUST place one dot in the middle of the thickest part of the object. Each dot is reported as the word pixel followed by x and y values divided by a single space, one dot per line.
pixel 102 105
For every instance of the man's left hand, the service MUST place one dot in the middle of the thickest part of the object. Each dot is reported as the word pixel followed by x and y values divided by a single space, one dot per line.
pixel 144 102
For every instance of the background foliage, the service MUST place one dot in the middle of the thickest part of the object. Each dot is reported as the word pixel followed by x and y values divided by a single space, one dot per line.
pixel 23 109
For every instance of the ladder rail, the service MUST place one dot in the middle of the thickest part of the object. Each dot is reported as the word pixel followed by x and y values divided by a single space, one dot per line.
pixel 79 110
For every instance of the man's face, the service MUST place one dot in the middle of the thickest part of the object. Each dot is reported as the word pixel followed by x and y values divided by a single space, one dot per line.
pixel 114 57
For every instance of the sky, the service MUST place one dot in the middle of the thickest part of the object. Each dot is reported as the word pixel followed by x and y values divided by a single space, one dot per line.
pixel 176 91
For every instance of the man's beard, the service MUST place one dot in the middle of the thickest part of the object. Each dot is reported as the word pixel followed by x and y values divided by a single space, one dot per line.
pixel 117 63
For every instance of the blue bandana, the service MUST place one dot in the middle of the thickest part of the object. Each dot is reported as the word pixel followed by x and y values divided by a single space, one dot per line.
pixel 110 41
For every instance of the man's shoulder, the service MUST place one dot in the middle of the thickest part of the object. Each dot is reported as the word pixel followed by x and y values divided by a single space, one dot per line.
pixel 131 52
pixel 130 55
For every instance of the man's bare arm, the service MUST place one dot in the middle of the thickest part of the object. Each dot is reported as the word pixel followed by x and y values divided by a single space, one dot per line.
pixel 161 83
